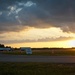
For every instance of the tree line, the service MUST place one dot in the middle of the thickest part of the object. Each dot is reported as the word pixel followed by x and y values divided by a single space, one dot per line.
pixel 3 46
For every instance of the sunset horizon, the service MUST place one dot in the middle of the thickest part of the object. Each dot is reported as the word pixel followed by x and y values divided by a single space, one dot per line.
pixel 57 44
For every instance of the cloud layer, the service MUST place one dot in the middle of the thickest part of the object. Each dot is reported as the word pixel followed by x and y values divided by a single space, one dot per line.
pixel 36 35
pixel 36 20
pixel 16 15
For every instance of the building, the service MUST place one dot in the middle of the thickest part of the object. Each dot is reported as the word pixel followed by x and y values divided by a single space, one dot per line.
pixel 5 49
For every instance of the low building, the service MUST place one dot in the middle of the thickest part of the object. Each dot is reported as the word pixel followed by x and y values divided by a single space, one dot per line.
pixel 5 49
pixel 26 49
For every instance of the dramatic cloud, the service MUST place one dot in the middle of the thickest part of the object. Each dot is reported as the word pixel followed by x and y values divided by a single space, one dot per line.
pixel 31 35
pixel 37 13
pixel 36 20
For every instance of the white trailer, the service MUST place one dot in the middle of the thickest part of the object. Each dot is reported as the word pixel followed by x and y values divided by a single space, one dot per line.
pixel 27 49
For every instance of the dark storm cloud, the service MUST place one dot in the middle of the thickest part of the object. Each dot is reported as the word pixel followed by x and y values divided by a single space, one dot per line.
pixel 16 14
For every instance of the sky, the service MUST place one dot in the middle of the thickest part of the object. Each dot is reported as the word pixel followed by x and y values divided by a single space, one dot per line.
pixel 37 23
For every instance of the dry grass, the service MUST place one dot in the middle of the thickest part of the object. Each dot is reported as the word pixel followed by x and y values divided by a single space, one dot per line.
pixel 44 52
pixel 36 69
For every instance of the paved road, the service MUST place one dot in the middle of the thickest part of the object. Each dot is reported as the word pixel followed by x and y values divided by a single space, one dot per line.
pixel 24 58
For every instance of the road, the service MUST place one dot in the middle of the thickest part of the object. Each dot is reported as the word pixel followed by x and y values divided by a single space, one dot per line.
pixel 30 58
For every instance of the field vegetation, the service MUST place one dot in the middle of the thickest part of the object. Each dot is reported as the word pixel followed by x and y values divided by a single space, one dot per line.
pixel 45 51
pixel 36 69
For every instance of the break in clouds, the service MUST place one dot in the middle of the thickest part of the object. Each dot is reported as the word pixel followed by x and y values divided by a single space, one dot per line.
pixel 18 15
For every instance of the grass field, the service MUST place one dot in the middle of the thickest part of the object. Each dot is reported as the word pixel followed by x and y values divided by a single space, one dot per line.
pixel 36 69
pixel 43 52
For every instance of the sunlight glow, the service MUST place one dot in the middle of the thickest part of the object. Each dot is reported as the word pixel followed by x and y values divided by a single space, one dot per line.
pixel 71 43
pixel 56 44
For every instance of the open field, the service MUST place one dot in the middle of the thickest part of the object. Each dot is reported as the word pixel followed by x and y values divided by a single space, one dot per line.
pixel 36 69
pixel 47 52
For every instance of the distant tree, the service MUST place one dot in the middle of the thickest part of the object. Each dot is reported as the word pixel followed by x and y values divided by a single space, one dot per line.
pixel 8 46
pixel 2 46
